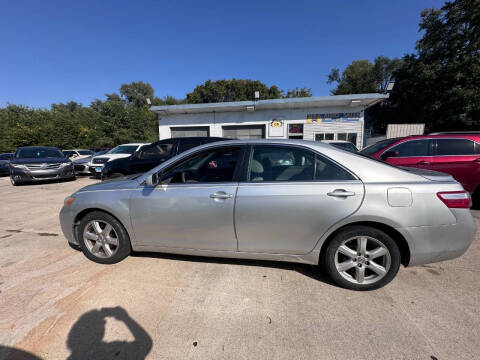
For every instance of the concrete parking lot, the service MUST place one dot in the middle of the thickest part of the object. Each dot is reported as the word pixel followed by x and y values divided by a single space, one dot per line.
pixel 54 303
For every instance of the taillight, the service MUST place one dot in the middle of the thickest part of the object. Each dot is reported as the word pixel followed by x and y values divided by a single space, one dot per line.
pixel 455 199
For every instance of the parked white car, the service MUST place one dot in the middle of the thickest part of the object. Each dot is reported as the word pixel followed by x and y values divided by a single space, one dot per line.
pixel 77 153
pixel 121 151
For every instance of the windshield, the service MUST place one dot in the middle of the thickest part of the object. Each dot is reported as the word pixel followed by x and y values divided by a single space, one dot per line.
pixel 123 149
pixel 38 153
pixel 100 152
pixel 369 150
pixel 85 152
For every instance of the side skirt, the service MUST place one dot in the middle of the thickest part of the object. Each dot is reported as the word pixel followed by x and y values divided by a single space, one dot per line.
pixel 310 258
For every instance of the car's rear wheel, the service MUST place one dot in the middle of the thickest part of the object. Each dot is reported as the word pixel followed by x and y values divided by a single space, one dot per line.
pixel 103 238
pixel 362 258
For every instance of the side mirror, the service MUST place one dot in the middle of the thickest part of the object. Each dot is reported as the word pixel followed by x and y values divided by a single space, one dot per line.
pixel 389 154
pixel 152 180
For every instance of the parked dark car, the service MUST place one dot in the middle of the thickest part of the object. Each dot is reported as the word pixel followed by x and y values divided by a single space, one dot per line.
pixel 34 163
pixel 457 154
pixel 5 163
pixel 151 155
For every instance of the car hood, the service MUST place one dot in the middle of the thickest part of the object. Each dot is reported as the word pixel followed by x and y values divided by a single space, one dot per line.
pixel 126 182
pixel 429 174
pixel 39 160
pixel 82 160
pixel 113 156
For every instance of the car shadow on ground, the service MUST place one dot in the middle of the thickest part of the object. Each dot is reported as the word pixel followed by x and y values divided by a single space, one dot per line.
pixel 311 271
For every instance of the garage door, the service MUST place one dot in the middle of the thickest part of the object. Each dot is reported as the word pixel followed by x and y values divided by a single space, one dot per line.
pixel 186 131
pixel 244 131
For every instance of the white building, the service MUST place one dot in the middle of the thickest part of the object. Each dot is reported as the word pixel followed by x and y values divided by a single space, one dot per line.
pixel 339 117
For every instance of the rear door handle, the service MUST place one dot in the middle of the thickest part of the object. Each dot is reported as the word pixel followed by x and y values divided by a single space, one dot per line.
pixel 221 195
pixel 476 160
pixel 423 162
pixel 340 193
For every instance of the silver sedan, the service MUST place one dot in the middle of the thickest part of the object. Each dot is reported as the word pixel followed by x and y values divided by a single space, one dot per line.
pixel 285 200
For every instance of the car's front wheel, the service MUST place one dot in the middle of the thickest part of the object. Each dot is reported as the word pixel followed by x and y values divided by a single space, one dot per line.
pixel 15 182
pixel 362 258
pixel 103 238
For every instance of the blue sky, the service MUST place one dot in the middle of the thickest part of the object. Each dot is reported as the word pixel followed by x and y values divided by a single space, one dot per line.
pixel 57 51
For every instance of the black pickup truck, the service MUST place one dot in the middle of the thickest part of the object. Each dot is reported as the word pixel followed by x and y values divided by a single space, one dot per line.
pixel 152 155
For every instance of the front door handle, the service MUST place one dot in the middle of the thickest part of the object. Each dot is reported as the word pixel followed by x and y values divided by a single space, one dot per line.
pixel 423 162
pixel 221 195
pixel 476 160
pixel 340 193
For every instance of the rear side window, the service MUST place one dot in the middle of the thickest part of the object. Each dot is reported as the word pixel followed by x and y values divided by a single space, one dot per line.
pixel 326 170
pixel 163 150
pixel 412 148
pixel 455 147
pixel 281 163
pixel 187 145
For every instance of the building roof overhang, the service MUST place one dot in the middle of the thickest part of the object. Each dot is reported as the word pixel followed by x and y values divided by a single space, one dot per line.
pixel 354 101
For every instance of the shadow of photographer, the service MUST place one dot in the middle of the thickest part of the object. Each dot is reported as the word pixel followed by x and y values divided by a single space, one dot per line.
pixel 85 339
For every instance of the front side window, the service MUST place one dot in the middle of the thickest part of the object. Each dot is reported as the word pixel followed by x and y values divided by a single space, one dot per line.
pixel 369 150
pixel 277 163
pixel 412 148
pixel 156 151
pixel 455 147
pixel 214 165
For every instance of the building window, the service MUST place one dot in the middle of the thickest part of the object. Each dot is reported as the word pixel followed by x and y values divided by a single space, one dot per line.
pixel 295 131
pixel 352 137
pixel 324 136
pixel 342 136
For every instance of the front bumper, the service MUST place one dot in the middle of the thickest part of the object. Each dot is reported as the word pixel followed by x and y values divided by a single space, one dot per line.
pixel 96 170
pixel 429 244
pixel 82 168
pixel 67 217
pixel 39 175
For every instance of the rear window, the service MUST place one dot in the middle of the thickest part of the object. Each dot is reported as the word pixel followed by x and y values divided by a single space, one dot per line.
pixel 455 147
pixel 369 150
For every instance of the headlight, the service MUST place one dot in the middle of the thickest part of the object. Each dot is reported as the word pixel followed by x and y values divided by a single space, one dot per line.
pixel 68 201
pixel 18 166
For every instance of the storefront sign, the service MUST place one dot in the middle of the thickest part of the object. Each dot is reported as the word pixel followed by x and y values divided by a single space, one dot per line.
pixel 333 117
pixel 276 128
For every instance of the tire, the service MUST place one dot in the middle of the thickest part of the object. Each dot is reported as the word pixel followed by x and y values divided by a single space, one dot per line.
pixel 476 199
pixel 15 182
pixel 108 248
pixel 343 251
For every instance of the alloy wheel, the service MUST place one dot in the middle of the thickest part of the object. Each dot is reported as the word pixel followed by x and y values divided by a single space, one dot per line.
pixel 362 260
pixel 100 238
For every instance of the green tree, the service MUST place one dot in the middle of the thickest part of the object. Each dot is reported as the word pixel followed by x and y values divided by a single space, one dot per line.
pixel 297 92
pixel 136 93
pixel 440 85
pixel 231 90
pixel 363 77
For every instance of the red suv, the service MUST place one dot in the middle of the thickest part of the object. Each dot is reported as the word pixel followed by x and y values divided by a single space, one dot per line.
pixel 454 153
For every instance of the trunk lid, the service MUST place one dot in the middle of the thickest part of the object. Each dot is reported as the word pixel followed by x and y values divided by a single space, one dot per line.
pixel 429 174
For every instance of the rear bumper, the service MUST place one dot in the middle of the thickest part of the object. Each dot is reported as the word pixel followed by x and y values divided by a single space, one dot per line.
pixel 430 244
pixel 39 175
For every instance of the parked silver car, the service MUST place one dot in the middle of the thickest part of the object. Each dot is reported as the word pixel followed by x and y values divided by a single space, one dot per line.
pixel 358 217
